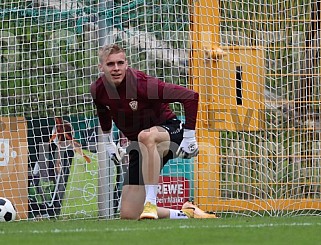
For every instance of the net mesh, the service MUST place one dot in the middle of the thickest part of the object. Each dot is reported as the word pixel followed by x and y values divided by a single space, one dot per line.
pixel 255 65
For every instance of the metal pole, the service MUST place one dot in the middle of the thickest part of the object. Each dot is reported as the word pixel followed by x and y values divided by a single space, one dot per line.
pixel 106 170
pixel 105 22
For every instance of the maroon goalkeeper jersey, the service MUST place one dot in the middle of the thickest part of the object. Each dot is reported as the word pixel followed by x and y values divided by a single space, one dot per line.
pixel 140 102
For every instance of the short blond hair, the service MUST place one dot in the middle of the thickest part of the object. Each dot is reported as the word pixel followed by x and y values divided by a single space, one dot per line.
pixel 107 50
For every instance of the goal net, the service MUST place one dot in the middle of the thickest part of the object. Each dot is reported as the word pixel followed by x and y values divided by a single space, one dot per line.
pixel 255 65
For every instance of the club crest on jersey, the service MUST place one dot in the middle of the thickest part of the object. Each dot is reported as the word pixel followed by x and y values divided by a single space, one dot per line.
pixel 133 105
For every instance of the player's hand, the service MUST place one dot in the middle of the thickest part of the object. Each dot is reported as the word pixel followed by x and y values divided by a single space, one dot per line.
pixel 188 147
pixel 115 152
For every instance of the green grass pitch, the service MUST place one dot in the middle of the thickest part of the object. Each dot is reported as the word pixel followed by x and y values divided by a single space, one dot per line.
pixel 238 230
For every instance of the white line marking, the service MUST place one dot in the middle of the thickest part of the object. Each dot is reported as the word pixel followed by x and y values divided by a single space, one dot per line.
pixel 126 229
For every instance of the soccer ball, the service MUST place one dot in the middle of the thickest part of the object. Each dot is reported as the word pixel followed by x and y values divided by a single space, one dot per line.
pixel 7 210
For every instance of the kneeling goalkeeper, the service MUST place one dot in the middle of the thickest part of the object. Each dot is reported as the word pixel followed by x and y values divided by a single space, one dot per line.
pixel 139 106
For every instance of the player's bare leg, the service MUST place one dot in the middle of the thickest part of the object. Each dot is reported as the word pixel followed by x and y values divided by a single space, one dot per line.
pixel 132 201
pixel 153 143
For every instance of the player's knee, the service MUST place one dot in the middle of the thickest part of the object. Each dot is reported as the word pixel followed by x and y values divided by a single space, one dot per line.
pixel 130 215
pixel 146 137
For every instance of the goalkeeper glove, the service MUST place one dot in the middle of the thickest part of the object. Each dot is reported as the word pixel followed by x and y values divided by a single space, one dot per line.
pixel 115 153
pixel 188 147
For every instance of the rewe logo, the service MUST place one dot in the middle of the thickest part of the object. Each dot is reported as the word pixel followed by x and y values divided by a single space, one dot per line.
pixel 171 189
pixel 6 152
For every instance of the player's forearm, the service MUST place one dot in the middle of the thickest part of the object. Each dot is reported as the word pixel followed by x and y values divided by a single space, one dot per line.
pixel 187 97
pixel 190 109
pixel 104 119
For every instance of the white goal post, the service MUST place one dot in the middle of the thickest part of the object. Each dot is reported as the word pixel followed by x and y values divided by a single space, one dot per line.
pixel 256 66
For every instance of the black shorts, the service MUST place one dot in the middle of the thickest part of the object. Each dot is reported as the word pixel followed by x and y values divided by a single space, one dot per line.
pixel 134 174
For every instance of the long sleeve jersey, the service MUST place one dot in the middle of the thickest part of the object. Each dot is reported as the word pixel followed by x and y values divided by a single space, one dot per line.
pixel 140 102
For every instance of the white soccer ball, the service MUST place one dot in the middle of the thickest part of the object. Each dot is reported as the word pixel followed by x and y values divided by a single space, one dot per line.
pixel 7 210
